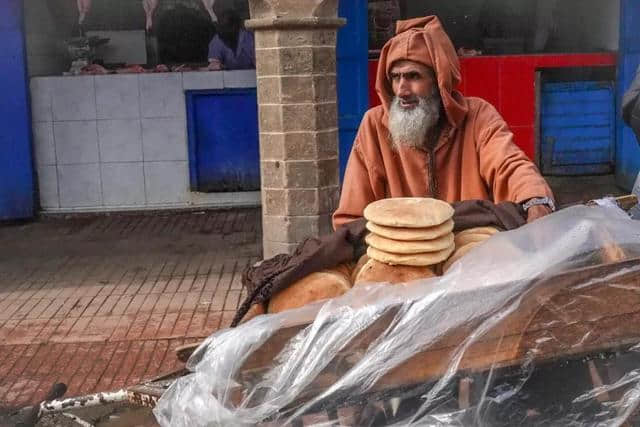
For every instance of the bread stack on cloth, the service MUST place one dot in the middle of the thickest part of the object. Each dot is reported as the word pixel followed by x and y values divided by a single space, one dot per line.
pixel 467 240
pixel 408 238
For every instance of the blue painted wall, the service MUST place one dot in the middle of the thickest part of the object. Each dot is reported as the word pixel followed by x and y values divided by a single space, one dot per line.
pixel 16 167
pixel 627 149
pixel 353 78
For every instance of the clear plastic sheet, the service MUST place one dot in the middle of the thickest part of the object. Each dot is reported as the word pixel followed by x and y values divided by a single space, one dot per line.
pixel 537 326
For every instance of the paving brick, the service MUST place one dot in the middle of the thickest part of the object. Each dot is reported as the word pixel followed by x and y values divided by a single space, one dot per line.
pixel 108 305
pixel 166 327
pixel 106 380
pixel 122 328
pixel 121 306
pixel 26 331
pixel 98 321
pixel 94 306
pixel 153 367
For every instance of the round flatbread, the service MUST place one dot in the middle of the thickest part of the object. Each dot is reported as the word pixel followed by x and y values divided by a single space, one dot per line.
pixel 411 234
pixel 414 247
pixel 410 212
pixel 378 272
pixel 314 287
pixel 423 259
pixel 361 262
pixel 479 230
pixel 465 239
pixel 459 253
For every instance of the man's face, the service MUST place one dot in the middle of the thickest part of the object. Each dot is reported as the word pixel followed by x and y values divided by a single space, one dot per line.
pixel 410 80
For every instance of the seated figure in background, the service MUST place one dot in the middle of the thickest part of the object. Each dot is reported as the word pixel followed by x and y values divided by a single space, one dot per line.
pixel 233 47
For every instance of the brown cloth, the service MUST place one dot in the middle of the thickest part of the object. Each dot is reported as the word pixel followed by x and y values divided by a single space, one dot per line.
pixel 474 157
pixel 483 213
pixel 313 254
pixel 347 244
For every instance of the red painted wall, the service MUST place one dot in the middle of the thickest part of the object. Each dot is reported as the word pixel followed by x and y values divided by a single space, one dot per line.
pixel 508 82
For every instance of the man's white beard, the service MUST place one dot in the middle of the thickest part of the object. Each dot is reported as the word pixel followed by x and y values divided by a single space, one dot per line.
pixel 409 127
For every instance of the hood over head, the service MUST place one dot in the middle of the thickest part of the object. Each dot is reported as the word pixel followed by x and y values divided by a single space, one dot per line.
pixel 424 40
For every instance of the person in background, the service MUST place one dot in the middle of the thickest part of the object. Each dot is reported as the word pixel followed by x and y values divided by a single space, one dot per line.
pixel 631 105
pixel 233 47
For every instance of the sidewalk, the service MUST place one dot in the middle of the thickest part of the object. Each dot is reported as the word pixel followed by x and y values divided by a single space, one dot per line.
pixel 101 302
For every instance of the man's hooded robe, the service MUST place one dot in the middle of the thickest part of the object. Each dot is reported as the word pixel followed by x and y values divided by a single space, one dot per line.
pixel 474 156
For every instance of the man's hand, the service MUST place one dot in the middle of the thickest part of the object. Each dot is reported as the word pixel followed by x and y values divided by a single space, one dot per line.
pixel 537 211
pixel 214 65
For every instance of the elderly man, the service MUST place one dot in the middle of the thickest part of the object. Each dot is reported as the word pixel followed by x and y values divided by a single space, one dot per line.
pixel 427 140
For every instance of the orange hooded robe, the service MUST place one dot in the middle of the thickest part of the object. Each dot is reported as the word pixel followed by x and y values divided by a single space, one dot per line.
pixel 475 156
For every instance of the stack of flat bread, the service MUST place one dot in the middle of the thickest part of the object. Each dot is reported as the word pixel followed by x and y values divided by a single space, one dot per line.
pixel 408 237
pixel 467 240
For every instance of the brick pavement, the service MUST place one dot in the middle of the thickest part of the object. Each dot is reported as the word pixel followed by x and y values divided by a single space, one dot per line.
pixel 101 302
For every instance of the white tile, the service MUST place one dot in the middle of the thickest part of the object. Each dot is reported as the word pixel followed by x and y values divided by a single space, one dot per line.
pixel 202 80
pixel 74 98
pixel 117 97
pixel 166 182
pixel 164 139
pixel 239 78
pixel 43 143
pixel 41 99
pixel 48 186
pixel 123 184
pixel 120 140
pixel 76 142
pixel 79 185
pixel 161 95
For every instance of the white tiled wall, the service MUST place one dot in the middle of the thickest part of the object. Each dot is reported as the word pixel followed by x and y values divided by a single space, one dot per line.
pixel 120 141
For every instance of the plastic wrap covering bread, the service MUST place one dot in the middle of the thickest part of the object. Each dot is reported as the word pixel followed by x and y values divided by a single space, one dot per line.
pixel 536 326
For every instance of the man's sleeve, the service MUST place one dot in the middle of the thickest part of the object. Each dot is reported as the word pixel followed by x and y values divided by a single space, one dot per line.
pixel 509 174
pixel 357 192
pixel 215 50
pixel 631 105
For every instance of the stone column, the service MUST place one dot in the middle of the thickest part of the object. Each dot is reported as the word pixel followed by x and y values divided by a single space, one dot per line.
pixel 296 77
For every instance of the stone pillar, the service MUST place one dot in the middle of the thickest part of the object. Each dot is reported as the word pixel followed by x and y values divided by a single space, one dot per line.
pixel 296 79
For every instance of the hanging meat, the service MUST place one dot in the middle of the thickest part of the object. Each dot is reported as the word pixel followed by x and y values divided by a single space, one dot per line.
pixel 149 7
pixel 83 9
pixel 208 4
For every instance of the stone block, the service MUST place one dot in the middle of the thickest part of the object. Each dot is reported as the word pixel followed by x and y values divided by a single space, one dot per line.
pixel 302 202
pixel 301 174
pixel 296 89
pixel 267 62
pixel 269 90
pixel 324 88
pixel 271 249
pixel 292 229
pixel 328 198
pixel 298 117
pixel 327 144
pixel 324 60
pixel 297 60
pixel 274 202
pixel 270 117
pixel 326 115
pixel 272 174
pixel 272 146
pixel 265 39
pixel 328 172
